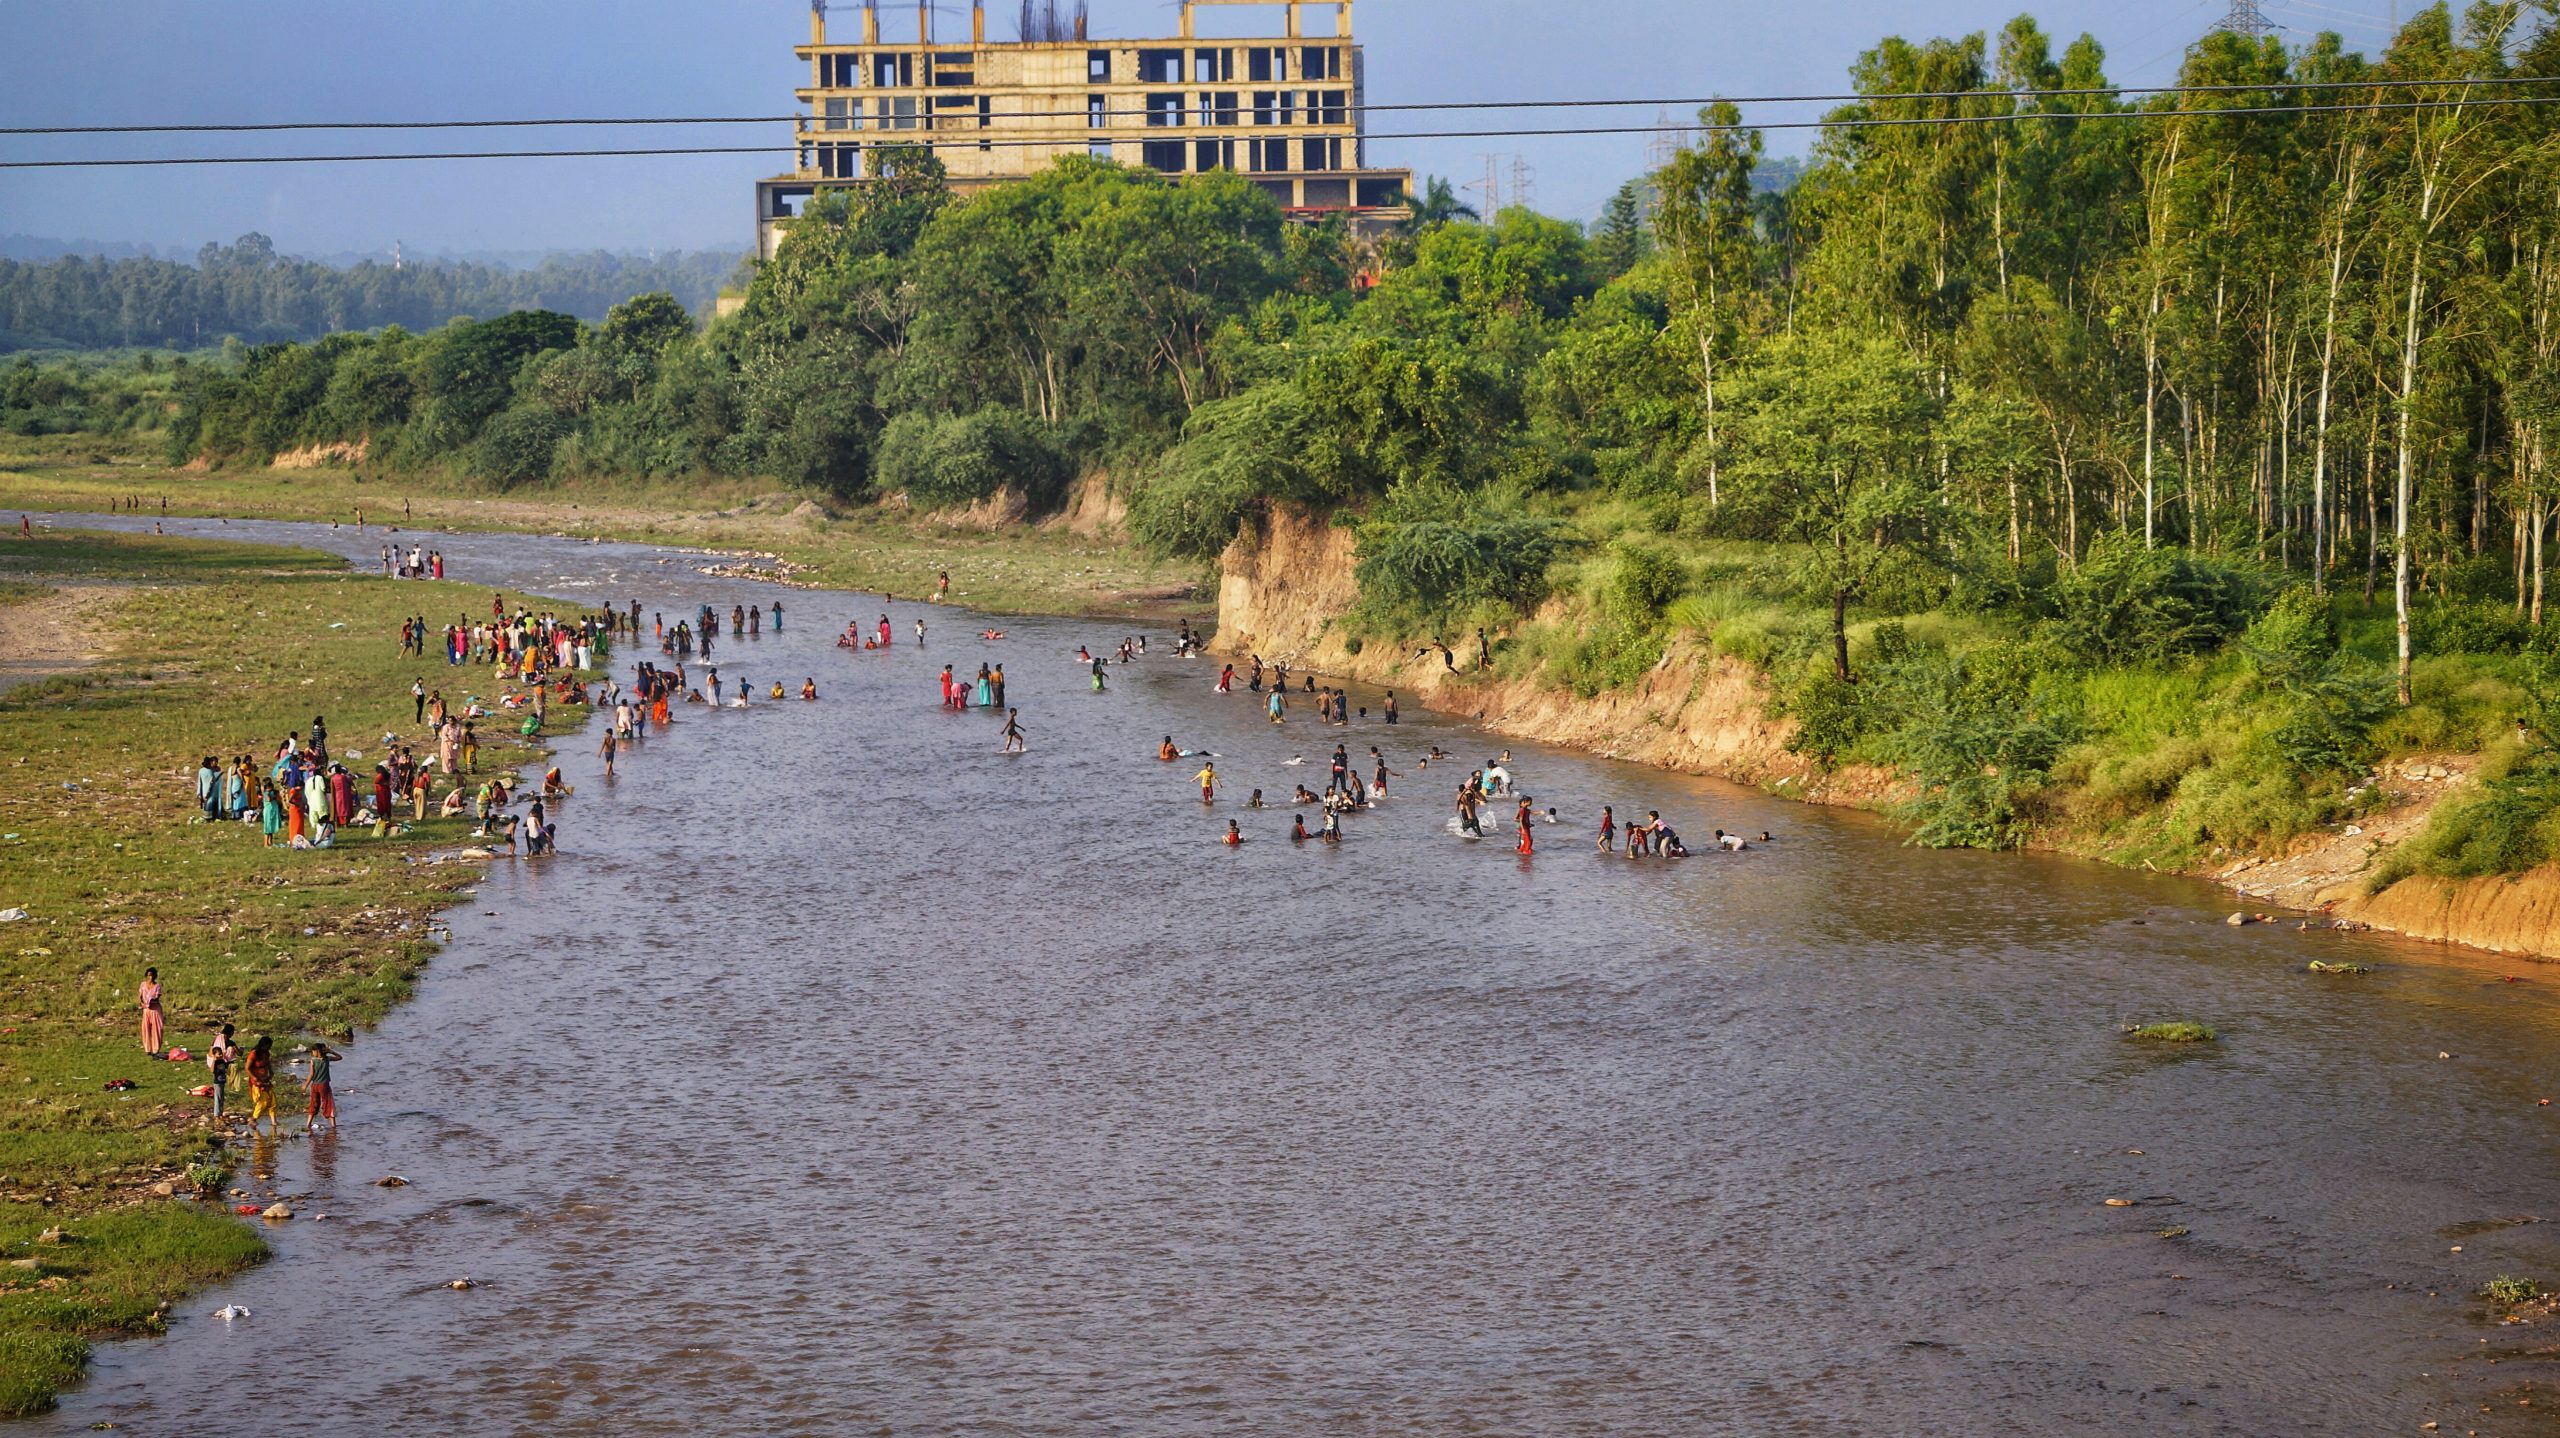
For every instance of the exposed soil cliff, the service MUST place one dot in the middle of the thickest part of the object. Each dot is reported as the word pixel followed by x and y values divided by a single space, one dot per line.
pixel 2518 915
pixel 1288 577
pixel 313 456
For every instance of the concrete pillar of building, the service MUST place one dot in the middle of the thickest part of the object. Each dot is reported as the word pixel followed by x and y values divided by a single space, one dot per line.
pixel 977 24
pixel 817 22
pixel 1292 8
pixel 870 25
pixel 924 22
pixel 1185 31
pixel 1342 19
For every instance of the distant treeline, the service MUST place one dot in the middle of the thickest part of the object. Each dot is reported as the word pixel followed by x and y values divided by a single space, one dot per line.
pixel 247 291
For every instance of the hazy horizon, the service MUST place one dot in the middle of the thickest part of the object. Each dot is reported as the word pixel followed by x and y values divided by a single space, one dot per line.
pixel 273 60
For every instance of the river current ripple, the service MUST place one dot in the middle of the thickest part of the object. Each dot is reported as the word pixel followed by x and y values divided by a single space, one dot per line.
pixel 843 1075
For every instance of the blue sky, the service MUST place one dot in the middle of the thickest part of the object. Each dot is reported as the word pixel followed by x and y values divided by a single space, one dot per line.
pixel 105 61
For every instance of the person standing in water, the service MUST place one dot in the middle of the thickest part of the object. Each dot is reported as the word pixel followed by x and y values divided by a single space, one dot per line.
pixel 1523 821
pixel 1208 777
pixel 1097 674
pixel 1608 841
pixel 261 1069
pixel 995 684
pixel 1278 704
pixel 919 633
pixel 324 1102
pixel 1013 731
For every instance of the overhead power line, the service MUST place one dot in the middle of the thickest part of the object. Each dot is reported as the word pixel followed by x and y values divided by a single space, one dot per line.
pixel 281 126
pixel 962 139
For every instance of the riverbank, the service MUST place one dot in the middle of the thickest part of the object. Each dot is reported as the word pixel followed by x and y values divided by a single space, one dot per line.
pixel 1073 563
pixel 191 647
pixel 1287 580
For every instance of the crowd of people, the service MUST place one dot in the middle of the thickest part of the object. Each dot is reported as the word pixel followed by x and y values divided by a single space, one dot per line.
pixel 304 795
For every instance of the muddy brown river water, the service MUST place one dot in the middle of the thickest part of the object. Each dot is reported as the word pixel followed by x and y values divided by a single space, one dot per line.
pixel 844 1076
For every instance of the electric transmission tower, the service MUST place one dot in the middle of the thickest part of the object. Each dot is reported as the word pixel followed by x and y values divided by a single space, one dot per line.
pixel 2245 18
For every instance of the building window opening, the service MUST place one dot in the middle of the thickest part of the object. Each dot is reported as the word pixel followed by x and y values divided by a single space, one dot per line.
pixel 1319 62
pixel 1160 67
pixel 1336 110
pixel 1204 155
pixel 1096 112
pixel 1097 64
pixel 1262 65
pixel 1164 155
pixel 836 112
pixel 1164 109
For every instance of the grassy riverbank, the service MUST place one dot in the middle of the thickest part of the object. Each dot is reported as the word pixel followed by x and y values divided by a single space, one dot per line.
pixel 1048 568
pixel 212 648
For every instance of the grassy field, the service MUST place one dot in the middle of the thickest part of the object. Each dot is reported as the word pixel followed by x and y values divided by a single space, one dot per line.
pixel 218 649
pixel 1014 569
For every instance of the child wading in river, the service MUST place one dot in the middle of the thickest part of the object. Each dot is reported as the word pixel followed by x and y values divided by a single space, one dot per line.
pixel 324 1102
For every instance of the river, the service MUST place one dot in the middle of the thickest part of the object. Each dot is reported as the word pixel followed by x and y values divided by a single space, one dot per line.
pixel 844 1075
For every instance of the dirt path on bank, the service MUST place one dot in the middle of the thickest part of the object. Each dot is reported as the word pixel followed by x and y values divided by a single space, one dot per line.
pixel 61 631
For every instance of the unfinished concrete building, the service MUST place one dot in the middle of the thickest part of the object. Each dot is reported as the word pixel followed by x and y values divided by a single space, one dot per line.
pixel 1283 110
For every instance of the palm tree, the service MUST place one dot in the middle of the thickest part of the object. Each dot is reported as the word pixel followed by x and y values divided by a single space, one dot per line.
pixel 1440 205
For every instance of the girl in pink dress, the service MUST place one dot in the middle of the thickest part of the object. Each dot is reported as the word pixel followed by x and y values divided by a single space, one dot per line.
pixel 152 1018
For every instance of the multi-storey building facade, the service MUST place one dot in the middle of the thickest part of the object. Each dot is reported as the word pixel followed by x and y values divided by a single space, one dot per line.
pixel 1283 111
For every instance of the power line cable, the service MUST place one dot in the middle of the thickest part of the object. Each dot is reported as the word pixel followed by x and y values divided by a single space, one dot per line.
pixel 277 126
pixel 965 139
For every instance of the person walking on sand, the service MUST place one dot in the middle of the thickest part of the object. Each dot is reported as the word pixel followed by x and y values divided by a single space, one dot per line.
pixel 1013 731
pixel 324 1102
pixel 152 1019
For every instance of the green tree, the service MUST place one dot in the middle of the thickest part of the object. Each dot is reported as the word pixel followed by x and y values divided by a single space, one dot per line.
pixel 1834 443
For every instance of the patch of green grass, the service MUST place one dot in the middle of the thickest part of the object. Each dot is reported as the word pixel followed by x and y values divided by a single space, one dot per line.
pixel 112 1275
pixel 221 649
pixel 14 591
pixel 2511 1291
pixel 2180 1032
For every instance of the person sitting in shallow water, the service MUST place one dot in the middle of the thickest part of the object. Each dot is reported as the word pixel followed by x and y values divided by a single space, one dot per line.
pixel 1234 835
pixel 1305 795
pixel 1166 751
pixel 808 688
pixel 1255 802
pixel 1298 829
pixel 693 696
pixel 777 689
